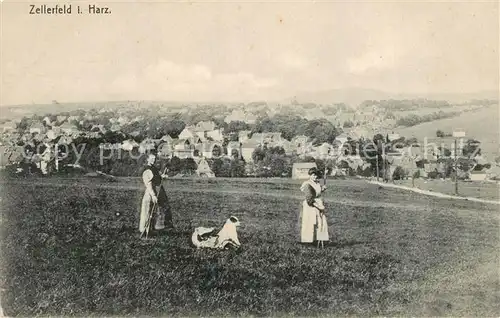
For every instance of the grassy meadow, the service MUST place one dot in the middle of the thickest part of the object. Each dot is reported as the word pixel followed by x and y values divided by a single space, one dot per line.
pixel 72 247
pixel 480 124
pixel 473 189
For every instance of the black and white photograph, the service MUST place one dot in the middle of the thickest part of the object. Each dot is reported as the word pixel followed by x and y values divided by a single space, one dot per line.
pixel 249 159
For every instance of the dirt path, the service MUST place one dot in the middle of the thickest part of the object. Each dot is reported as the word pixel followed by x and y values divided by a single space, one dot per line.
pixel 432 193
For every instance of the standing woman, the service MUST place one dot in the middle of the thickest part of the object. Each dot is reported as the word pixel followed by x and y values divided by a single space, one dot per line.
pixel 313 225
pixel 154 196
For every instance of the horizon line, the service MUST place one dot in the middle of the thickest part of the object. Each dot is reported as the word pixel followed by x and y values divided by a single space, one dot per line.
pixel 289 99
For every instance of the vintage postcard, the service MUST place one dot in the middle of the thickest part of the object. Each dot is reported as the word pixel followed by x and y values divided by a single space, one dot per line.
pixel 245 158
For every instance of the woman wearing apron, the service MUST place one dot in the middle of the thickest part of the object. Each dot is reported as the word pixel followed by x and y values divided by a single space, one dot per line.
pixel 154 197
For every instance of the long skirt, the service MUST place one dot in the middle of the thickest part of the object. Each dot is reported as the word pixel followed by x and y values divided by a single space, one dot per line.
pixel 308 220
pixel 313 224
pixel 161 217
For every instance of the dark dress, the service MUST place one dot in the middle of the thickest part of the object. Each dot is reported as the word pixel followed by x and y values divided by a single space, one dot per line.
pixel 163 217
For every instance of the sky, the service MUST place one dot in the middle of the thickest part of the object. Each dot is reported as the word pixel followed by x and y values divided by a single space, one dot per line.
pixel 244 51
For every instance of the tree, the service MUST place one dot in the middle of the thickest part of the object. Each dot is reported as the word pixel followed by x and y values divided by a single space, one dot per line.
pixel 471 148
pixel 321 131
pixel 439 134
pixel 235 154
pixel 258 154
pixel 221 167
pixel 237 168
pixel 217 151
pixel 399 173
pixel 348 124
pixel 23 124
pixel 188 165
pixel 175 165
pixel 237 126
pixel 445 152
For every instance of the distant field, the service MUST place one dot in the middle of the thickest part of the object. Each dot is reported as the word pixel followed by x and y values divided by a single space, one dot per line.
pixel 66 252
pixel 482 125
pixel 426 111
pixel 473 189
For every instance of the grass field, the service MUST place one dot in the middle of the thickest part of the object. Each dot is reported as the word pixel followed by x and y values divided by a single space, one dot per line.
pixel 66 252
pixel 473 189
pixel 479 124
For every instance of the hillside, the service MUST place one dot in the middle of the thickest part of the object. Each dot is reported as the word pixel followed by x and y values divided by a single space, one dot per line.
pixel 350 96
pixel 482 124
pixel 354 96
pixel 70 247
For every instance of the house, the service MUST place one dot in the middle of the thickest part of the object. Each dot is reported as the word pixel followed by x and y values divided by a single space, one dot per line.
pixel 414 151
pixel 392 136
pixel 183 148
pixel 147 145
pixel 37 128
pixel 129 145
pixel 187 133
pixel 250 118
pixel 56 130
pixel 39 137
pixel 8 126
pixel 240 115
pixel 342 139
pixel 271 138
pixel 205 126
pixel 360 132
pixel 236 115
pixel 123 120
pixel 61 119
pixel 200 137
pixel 198 140
pixel 216 134
pixel 68 128
pixel 300 170
pixel 353 161
pixel 325 150
pixel 431 166
pixel 234 146
pixel 211 149
pixel 165 149
pixel 167 138
pixel 115 127
pixel 4 156
pixel 198 150
pixel 300 141
pixel 73 118
pixel 110 146
pixel 64 140
pixel 247 149
pixel 494 172
pixel 17 154
pixel 47 121
pixel 286 145
pixel 243 135
pixel 477 175
pixel 203 169
pixel 98 129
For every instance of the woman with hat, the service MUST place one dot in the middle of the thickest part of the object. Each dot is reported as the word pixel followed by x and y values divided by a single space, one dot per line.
pixel 313 225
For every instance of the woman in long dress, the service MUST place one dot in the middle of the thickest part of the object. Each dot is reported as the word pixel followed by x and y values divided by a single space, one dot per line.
pixel 313 224
pixel 154 197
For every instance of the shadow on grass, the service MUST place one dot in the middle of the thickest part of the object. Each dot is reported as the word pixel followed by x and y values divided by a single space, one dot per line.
pixel 340 244
pixel 333 244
